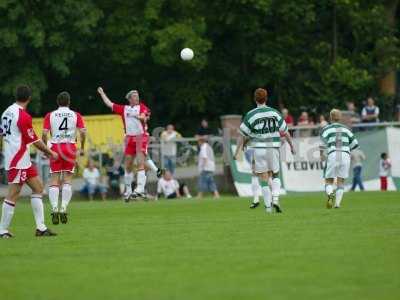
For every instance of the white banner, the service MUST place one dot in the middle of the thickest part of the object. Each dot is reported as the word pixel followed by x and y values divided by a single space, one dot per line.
pixel 303 172
pixel 393 136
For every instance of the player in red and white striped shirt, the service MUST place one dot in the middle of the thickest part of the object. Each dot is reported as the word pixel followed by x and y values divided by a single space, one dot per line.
pixel 134 116
pixel 17 134
pixel 63 125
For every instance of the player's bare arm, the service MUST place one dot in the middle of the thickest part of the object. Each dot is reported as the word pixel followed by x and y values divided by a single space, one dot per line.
pixel 82 133
pixel 289 139
pixel 322 153
pixel 46 150
pixel 45 136
pixel 104 97
pixel 242 143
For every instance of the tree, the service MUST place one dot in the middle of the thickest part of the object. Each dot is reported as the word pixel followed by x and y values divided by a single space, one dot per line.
pixel 309 54
pixel 39 39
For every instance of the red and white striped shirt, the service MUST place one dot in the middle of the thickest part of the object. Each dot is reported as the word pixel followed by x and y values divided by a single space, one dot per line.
pixel 18 134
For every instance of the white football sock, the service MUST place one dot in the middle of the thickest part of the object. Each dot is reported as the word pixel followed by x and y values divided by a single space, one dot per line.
pixel 267 197
pixel 37 208
pixel 7 214
pixel 152 166
pixel 276 190
pixel 141 181
pixel 328 189
pixel 255 188
pixel 66 196
pixel 54 192
pixel 339 196
pixel 128 179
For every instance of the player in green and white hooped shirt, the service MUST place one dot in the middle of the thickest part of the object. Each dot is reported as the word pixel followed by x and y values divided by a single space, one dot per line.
pixel 261 130
pixel 337 143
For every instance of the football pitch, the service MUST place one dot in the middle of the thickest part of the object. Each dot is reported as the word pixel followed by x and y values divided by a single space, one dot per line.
pixel 207 249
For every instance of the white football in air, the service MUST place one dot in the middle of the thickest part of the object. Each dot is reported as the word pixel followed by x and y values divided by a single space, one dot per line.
pixel 187 54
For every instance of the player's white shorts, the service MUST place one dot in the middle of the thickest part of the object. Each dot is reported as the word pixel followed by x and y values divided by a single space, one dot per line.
pixel 337 165
pixel 266 159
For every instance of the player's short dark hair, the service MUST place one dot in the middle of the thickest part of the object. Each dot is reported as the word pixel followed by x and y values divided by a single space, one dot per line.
pixel 23 93
pixel 63 99
pixel 383 155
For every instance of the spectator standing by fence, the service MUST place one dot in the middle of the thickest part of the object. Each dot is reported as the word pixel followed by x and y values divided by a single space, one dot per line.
pixel 206 169
pixel 169 147
pixel 288 117
pixel 357 158
pixel 384 170
pixel 370 112
pixel 322 122
pixel 353 115
pixel 204 130
pixel 304 120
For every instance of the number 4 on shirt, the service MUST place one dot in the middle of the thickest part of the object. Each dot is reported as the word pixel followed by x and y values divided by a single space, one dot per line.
pixel 64 124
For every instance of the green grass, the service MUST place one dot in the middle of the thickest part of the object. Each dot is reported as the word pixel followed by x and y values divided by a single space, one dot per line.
pixel 190 249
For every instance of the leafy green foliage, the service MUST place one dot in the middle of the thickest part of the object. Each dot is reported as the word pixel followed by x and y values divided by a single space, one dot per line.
pixel 39 38
pixel 287 46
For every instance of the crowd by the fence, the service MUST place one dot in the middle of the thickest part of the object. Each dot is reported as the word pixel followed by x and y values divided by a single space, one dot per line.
pixel 359 119
pixel 369 113
pixel 103 172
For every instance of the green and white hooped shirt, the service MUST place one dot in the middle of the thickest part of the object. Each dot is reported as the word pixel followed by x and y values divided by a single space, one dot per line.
pixel 263 125
pixel 337 137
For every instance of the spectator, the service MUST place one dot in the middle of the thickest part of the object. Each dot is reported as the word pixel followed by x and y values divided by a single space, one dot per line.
pixel 170 188
pixel 304 120
pixel 115 173
pixel 370 112
pixel 322 121
pixel 206 168
pixel 288 117
pixel 353 115
pixel 357 158
pixel 384 170
pixel 169 147
pixel 93 184
pixel 204 130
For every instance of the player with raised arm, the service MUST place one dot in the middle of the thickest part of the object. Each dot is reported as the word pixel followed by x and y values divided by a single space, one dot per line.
pixel 134 116
pixel 337 141
pixel 261 130
pixel 17 134
pixel 63 124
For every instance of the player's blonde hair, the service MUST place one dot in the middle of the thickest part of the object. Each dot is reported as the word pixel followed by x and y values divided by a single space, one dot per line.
pixel 335 115
pixel 130 93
